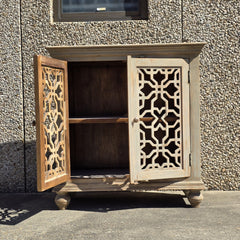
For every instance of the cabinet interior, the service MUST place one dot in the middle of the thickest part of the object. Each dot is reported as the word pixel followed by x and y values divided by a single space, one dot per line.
pixel 98 117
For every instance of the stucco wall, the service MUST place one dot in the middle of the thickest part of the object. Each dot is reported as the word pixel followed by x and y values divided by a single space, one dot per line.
pixel 11 99
pixel 218 23
pixel 164 25
pixel 214 22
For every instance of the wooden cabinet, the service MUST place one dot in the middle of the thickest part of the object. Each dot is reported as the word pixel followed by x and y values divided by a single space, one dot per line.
pixel 125 118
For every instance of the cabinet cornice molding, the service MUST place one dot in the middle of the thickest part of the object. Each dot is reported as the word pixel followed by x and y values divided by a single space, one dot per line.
pixel 120 52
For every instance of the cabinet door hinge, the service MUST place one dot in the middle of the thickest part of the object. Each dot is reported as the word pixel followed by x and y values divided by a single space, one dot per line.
pixel 188 76
pixel 65 116
pixel 190 159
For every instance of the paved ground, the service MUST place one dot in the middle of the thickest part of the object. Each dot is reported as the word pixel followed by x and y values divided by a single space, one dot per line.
pixel 120 216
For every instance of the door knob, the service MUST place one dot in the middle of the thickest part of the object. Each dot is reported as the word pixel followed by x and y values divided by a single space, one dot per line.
pixel 135 120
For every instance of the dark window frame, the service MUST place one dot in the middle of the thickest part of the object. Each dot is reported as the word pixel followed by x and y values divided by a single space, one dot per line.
pixel 59 16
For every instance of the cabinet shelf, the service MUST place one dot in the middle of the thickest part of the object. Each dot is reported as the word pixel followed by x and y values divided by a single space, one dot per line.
pixel 99 173
pixel 99 120
pixel 113 120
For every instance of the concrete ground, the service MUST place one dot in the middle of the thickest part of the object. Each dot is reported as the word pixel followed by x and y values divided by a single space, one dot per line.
pixel 120 216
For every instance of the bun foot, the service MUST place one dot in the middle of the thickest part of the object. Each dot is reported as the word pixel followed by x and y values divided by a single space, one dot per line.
pixel 62 200
pixel 195 198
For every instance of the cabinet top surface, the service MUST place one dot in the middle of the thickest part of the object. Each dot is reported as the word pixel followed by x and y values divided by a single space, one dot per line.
pixel 120 52
pixel 160 45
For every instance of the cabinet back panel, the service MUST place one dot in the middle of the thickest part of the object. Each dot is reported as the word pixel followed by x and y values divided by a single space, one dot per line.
pixel 97 89
pixel 99 146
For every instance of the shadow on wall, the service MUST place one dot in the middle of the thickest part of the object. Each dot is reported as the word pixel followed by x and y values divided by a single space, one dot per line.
pixel 31 166
pixel 18 168
pixel 17 207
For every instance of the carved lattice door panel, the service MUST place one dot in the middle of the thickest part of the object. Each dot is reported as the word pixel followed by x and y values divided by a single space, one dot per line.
pixel 158 92
pixel 53 160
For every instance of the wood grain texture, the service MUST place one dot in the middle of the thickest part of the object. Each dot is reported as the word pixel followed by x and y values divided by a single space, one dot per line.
pixel 52 119
pixel 62 200
pixel 195 198
pixel 120 52
pixel 189 51
pixel 97 89
pixel 123 184
pixel 158 88
pixel 113 120
pixel 134 143
pixel 94 120
pixel 98 120
pixel 100 173
pixel 195 119
pixel 99 146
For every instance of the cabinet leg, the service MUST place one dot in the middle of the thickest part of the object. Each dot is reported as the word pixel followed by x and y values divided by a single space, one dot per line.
pixel 62 200
pixel 195 197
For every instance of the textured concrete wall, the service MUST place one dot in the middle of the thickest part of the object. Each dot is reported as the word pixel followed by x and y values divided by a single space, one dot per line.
pixel 215 22
pixel 164 25
pixel 11 101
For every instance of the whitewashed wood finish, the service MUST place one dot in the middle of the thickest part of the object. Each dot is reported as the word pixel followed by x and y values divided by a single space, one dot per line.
pixel 195 198
pixel 189 51
pixel 53 158
pixel 195 118
pixel 155 170
pixel 62 200
pixel 123 184
pixel 120 52
pixel 134 143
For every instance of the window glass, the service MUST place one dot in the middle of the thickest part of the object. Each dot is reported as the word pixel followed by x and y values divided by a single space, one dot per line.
pixel 75 6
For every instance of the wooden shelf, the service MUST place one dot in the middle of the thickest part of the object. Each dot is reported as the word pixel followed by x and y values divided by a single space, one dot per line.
pixel 99 173
pixel 113 120
pixel 99 120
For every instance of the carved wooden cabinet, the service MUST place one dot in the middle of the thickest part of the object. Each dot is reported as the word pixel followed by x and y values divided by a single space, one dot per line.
pixel 126 118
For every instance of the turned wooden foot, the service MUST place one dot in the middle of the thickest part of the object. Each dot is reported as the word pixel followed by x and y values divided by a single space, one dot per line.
pixel 62 200
pixel 195 198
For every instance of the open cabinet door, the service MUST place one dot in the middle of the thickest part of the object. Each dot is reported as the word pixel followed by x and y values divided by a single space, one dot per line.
pixel 159 128
pixel 53 158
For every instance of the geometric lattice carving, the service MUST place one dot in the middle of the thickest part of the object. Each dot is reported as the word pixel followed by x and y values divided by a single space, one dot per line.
pixel 53 122
pixel 160 117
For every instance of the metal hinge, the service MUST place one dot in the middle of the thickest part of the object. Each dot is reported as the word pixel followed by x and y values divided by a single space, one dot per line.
pixel 188 76
pixel 190 159
pixel 65 117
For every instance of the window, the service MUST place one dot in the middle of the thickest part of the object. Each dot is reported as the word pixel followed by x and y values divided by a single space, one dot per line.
pixel 97 10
